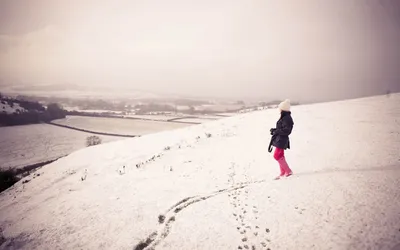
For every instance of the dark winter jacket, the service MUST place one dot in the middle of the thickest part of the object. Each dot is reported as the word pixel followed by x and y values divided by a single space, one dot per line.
pixel 283 129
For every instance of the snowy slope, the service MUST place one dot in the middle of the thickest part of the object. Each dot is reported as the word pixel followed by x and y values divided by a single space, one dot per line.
pixel 217 192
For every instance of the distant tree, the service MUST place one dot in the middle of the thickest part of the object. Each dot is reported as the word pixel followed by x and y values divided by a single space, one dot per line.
pixel 31 105
pixel 388 93
pixel 55 111
pixel 263 104
pixel 240 102
pixel 93 140
pixel 1 95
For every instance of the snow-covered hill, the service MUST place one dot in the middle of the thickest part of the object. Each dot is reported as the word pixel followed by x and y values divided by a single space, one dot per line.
pixel 210 187
pixel 6 108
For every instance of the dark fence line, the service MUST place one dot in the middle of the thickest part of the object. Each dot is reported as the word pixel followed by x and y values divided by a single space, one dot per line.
pixel 91 132
pixel 134 118
pixel 180 118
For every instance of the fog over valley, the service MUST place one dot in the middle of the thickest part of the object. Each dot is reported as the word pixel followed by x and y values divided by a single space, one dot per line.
pixel 256 50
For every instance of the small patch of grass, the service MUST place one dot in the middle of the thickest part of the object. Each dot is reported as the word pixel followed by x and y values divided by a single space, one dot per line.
pixel 145 243
pixel 161 219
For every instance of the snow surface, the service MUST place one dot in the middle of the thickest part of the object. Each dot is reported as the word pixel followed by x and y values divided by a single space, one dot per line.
pixel 179 191
pixel 30 144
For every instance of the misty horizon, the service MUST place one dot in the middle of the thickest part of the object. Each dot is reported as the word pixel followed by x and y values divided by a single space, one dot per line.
pixel 229 49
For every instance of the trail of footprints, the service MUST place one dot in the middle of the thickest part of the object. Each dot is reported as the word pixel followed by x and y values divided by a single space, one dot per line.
pixel 252 235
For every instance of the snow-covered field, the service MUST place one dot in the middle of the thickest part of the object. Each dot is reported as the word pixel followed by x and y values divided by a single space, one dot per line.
pixel 118 125
pixel 183 190
pixel 154 117
pixel 219 107
pixel 227 114
pixel 196 120
pixel 209 117
pixel 30 144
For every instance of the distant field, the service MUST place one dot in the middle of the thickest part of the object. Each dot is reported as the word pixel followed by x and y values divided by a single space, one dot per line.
pixel 195 120
pixel 154 117
pixel 209 117
pixel 227 114
pixel 220 107
pixel 30 144
pixel 118 125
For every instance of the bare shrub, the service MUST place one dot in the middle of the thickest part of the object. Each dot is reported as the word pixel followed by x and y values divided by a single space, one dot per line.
pixel 93 140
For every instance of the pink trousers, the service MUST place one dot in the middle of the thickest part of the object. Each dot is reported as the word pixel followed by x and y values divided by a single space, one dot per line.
pixel 279 156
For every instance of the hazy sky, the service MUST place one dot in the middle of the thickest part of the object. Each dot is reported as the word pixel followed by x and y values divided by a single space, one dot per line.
pixel 311 49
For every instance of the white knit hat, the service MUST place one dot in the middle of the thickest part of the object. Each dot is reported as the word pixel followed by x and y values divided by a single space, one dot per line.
pixel 285 105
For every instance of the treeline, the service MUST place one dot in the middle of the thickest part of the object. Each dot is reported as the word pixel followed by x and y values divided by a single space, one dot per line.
pixel 33 113
pixel 153 107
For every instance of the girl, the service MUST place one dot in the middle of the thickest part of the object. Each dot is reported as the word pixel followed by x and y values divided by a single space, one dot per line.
pixel 280 138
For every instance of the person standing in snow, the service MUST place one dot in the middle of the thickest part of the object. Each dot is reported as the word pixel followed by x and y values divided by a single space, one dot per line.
pixel 280 138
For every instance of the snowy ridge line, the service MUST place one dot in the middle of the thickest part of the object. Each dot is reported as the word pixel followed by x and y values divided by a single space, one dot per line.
pixel 163 231
pixel 89 131
pixel 170 148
